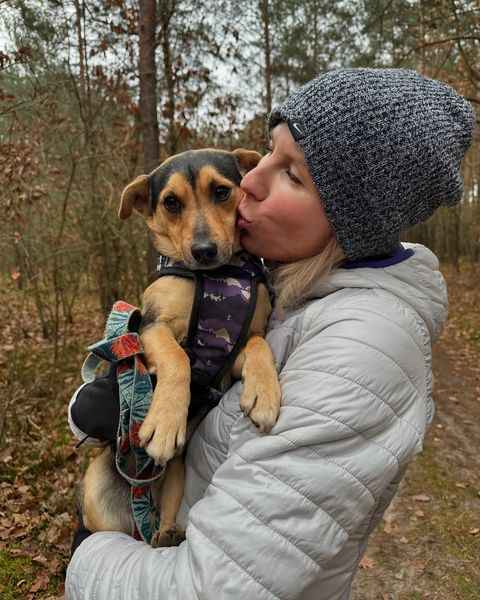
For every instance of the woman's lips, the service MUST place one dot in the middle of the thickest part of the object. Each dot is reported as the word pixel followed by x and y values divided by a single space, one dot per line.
pixel 242 222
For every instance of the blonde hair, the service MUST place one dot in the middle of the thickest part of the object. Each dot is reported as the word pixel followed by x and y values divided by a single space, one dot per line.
pixel 294 281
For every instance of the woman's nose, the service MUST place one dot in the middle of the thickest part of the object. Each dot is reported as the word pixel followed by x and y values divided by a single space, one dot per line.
pixel 254 184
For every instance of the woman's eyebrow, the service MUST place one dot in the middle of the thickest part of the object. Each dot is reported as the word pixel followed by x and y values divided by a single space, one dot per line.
pixel 298 159
pixel 295 157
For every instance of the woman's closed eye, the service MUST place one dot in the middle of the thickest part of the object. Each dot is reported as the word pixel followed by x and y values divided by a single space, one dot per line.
pixel 293 177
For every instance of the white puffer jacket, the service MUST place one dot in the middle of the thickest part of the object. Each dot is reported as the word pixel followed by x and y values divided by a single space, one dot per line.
pixel 286 516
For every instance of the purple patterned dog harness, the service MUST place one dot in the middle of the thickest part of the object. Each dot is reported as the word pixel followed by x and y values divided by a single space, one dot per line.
pixel 223 307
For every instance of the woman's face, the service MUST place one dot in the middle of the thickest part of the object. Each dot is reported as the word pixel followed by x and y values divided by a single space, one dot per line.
pixel 281 217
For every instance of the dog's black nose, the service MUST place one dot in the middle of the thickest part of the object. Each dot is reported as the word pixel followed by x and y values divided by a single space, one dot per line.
pixel 204 252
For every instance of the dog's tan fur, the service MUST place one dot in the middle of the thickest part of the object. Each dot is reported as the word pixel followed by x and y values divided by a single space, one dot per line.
pixel 105 498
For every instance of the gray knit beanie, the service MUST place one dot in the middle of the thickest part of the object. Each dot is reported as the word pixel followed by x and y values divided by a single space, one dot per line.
pixel 383 147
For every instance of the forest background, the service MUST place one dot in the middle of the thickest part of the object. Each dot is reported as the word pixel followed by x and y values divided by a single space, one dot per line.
pixel 94 92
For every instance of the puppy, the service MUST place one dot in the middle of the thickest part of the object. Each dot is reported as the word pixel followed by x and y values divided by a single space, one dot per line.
pixel 189 204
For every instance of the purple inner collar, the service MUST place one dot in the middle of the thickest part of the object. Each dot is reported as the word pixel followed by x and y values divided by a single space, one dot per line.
pixel 379 262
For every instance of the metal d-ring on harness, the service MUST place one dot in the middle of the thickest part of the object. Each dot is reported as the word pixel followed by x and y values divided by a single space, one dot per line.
pixel 223 308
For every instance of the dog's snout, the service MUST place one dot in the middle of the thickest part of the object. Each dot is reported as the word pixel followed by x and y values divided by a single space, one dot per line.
pixel 205 253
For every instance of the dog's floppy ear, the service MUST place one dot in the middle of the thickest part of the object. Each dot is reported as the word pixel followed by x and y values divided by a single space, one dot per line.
pixel 134 196
pixel 247 159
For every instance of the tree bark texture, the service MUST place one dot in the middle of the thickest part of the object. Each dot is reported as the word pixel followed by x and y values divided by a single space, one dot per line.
pixel 148 83
pixel 264 11
pixel 148 99
pixel 167 11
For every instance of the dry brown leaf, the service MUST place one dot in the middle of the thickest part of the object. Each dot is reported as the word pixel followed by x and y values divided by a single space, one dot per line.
pixel 54 566
pixel 53 534
pixel 5 534
pixel 367 563
pixel 40 583
pixel 6 455
pixel 18 533
pixel 421 498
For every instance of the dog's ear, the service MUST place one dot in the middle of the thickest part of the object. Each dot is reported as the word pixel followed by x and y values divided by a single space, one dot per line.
pixel 246 159
pixel 134 196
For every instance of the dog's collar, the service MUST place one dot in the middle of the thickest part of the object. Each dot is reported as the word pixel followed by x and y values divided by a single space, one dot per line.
pixel 239 259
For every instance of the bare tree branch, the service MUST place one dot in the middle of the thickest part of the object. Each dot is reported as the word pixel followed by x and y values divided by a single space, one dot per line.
pixel 456 38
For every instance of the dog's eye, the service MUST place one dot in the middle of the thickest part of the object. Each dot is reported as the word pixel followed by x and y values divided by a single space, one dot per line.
pixel 221 193
pixel 173 205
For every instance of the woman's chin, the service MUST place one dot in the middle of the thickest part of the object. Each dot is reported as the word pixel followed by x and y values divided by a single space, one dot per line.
pixel 252 248
pixel 247 243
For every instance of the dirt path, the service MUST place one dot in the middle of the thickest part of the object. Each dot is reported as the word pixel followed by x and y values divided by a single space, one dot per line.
pixel 429 543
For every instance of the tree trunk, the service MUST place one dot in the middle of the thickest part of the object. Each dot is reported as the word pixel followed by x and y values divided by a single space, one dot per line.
pixel 264 11
pixel 148 97
pixel 168 9
pixel 315 39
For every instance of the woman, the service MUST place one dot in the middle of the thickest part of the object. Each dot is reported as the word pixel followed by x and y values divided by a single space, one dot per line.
pixel 357 156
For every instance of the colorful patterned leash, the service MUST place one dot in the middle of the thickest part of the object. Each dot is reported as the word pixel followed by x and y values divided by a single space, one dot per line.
pixel 122 346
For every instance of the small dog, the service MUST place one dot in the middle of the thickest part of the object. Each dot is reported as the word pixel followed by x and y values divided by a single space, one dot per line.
pixel 189 203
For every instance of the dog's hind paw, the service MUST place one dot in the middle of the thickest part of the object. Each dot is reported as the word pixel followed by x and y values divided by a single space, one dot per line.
pixel 166 538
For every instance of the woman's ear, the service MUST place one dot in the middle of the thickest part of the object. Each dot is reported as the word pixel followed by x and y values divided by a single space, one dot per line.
pixel 246 159
pixel 134 196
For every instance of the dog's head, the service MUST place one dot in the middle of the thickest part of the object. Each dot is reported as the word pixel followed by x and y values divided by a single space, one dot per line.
pixel 189 203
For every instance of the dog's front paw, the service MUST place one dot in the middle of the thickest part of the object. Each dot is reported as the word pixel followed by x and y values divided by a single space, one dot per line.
pixel 163 431
pixel 260 399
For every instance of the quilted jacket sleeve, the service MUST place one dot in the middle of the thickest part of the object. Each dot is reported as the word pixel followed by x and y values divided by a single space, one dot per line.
pixel 284 506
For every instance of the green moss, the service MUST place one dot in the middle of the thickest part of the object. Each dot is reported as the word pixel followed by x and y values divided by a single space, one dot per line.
pixel 467 588
pixel 16 576
pixel 475 337
pixel 7 474
pixel 64 436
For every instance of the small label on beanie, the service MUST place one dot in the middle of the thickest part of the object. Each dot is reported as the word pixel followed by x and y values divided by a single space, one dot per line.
pixel 297 129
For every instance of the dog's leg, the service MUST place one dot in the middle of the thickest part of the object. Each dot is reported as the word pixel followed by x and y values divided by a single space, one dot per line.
pixel 256 366
pixel 164 428
pixel 261 391
pixel 171 495
pixel 105 496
